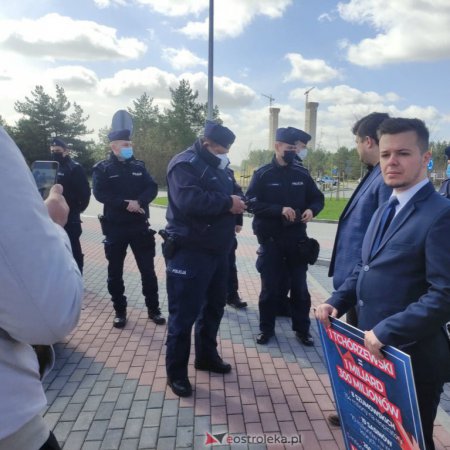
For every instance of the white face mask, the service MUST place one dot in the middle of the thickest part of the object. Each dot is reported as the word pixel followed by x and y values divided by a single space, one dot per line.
pixel 224 161
pixel 302 153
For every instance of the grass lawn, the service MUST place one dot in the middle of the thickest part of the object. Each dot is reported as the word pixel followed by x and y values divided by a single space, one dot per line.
pixel 332 210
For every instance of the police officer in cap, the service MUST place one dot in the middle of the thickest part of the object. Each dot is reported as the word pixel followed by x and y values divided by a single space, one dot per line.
pixel 203 203
pixel 76 191
pixel 124 186
pixel 283 198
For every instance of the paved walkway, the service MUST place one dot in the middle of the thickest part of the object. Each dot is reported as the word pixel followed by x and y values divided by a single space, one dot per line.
pixel 108 389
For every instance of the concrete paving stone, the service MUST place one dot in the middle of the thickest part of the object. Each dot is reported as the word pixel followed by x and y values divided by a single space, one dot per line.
pixel 51 419
pixel 202 424
pixel 69 389
pixel 124 401
pixel 62 430
pixel 89 381
pixel 105 374
pixel 185 417
pixel 149 438
pixel 129 386
pixel 71 412
pixel 59 405
pixel 58 382
pixel 92 403
pixel 75 440
pixel 156 400
pixel 133 428
pixel 118 380
pixel 321 429
pixel 118 419
pixel 168 426
pixel 138 408
pixel 51 395
pixel 95 368
pixel 104 411
pixel 152 417
pixel 112 439
pixel 142 393
pixel 90 445
pixel 184 437
pixel 170 407
pixel 166 443
pixel 80 396
pixel 111 394
pixel 84 421
pixel 97 430
pixel 129 444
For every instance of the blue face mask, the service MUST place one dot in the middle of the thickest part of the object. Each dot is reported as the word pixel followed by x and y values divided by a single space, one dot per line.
pixel 289 157
pixel 448 171
pixel 126 152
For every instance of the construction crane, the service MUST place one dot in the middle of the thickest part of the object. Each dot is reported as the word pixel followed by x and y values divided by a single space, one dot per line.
pixel 307 93
pixel 271 99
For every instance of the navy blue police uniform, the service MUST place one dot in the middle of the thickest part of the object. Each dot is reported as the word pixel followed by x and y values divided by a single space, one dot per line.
pixel 77 192
pixel 271 188
pixel 114 182
pixel 202 227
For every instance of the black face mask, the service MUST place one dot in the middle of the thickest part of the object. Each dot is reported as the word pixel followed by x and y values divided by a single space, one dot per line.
pixel 289 157
pixel 59 157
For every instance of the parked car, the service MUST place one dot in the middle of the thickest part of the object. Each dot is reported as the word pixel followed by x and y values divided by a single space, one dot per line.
pixel 326 179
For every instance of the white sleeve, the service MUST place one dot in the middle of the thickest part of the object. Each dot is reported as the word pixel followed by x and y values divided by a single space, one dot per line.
pixel 41 288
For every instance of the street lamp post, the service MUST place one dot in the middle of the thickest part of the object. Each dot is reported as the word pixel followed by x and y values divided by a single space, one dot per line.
pixel 211 61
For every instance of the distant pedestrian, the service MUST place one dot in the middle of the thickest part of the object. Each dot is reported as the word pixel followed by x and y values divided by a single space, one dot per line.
pixel 445 187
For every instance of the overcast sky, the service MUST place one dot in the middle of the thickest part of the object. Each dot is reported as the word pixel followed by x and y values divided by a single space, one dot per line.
pixel 359 55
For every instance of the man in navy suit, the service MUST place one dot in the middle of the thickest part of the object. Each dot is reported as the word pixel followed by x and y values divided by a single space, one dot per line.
pixel 370 193
pixel 402 284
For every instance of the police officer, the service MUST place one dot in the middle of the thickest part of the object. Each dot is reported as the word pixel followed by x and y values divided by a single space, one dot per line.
pixel 124 186
pixel 76 191
pixel 283 198
pixel 203 202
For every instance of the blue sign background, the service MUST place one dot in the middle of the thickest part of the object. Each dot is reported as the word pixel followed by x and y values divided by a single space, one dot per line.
pixel 365 391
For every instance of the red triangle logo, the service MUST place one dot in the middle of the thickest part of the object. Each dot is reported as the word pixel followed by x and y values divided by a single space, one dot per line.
pixel 210 439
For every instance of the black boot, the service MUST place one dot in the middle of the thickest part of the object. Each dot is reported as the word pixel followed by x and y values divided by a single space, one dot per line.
pixel 236 302
pixel 120 320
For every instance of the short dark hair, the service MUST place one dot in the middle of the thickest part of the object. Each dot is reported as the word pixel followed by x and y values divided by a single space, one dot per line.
pixel 368 125
pixel 401 125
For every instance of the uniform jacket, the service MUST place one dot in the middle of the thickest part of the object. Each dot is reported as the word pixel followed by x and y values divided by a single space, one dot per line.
pixel 273 187
pixel 198 213
pixel 353 223
pixel 41 285
pixel 402 292
pixel 114 182
pixel 444 190
pixel 76 187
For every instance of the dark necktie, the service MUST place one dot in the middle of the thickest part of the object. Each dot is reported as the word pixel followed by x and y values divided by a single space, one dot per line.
pixel 386 219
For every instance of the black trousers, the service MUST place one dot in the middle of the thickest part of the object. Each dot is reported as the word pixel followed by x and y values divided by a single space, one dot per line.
pixel 73 230
pixel 196 290
pixel 142 245
pixel 233 282
pixel 51 443
pixel 276 259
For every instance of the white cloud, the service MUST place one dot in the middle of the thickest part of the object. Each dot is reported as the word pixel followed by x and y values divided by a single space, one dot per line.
pixel 60 37
pixel 344 94
pixel 232 16
pixel 181 59
pixel 107 3
pixel 134 83
pixel 227 93
pixel 73 77
pixel 310 70
pixel 407 30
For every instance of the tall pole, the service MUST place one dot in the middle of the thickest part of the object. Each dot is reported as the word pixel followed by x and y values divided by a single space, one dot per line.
pixel 211 61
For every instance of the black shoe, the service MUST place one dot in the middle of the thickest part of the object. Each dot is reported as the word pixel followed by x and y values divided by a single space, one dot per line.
pixel 263 338
pixel 120 320
pixel 236 302
pixel 305 338
pixel 156 317
pixel 181 387
pixel 333 419
pixel 216 366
